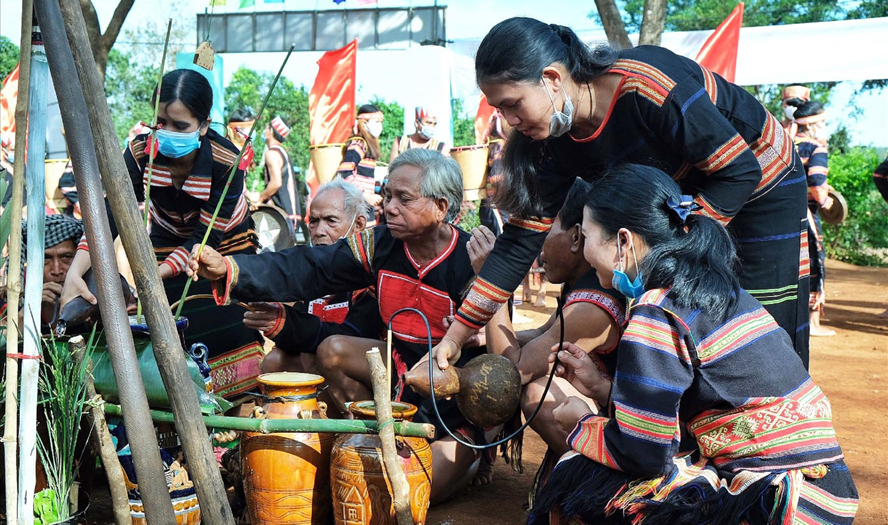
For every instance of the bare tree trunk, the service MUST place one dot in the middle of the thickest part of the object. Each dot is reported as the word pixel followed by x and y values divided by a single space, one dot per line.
pixel 101 43
pixel 652 23
pixel 613 23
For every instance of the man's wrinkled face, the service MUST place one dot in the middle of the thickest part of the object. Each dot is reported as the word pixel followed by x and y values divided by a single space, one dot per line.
pixel 57 260
pixel 327 220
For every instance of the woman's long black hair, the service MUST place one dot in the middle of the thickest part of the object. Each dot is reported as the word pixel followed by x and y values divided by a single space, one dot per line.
pixel 191 89
pixel 695 256
pixel 517 50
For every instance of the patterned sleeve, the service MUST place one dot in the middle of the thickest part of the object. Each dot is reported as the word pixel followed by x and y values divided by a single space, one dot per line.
pixel 817 170
pixel 514 252
pixel 653 371
pixel 301 273
pixel 356 168
pixel 233 212
pixel 690 123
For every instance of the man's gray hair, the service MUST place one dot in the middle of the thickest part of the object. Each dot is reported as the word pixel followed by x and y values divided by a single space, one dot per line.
pixel 441 177
pixel 353 202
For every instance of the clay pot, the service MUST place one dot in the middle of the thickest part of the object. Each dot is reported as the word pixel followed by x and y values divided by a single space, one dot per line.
pixel 361 493
pixel 287 475
pixel 487 388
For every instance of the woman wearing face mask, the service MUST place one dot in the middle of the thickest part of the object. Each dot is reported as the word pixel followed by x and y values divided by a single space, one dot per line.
pixel 426 124
pixel 361 152
pixel 191 168
pixel 793 97
pixel 578 111
pixel 809 127
pixel 711 417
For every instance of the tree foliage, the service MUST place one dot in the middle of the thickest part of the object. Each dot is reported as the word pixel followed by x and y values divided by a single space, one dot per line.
pixel 9 57
pixel 129 86
pixel 247 90
pixel 463 125
pixel 392 125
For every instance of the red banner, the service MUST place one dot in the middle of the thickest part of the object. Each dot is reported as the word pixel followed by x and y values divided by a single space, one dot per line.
pixel 482 120
pixel 8 96
pixel 331 103
pixel 719 53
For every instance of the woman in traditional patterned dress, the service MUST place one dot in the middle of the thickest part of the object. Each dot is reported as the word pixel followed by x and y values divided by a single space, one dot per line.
pixel 710 417
pixel 809 130
pixel 191 167
pixel 578 111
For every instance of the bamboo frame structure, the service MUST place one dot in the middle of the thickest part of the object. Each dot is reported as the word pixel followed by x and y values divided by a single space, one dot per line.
pixel 168 350
pixel 14 283
pixel 153 487
pixel 272 426
pixel 31 341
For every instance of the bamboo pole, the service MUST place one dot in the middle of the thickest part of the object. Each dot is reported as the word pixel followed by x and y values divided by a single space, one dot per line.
pixel 397 478
pixel 153 487
pixel 36 179
pixel 165 339
pixel 14 278
pixel 273 426
pixel 101 441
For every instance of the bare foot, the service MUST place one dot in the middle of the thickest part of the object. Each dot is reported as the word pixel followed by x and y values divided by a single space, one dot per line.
pixel 540 302
pixel 484 474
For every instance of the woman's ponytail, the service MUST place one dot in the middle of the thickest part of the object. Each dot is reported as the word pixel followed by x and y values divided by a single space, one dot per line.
pixel 583 62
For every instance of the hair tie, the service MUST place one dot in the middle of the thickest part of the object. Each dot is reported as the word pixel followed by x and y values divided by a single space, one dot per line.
pixel 560 33
pixel 683 206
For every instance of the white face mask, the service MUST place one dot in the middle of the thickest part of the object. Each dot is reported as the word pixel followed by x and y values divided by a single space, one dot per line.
pixel 789 111
pixel 819 132
pixel 374 128
pixel 560 122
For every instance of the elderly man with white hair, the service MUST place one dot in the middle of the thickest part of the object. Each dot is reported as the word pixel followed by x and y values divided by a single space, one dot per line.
pixel 417 259
pixel 337 211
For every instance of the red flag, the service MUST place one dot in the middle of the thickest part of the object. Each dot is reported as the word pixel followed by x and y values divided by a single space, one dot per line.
pixel 719 53
pixel 8 96
pixel 482 120
pixel 331 103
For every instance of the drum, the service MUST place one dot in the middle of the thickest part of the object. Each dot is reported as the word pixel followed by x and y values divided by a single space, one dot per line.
pixel 274 228
pixel 838 212
pixel 472 161
pixel 326 159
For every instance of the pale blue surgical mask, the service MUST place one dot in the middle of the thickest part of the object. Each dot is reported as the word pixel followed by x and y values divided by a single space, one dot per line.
pixel 427 132
pixel 621 282
pixel 561 121
pixel 174 145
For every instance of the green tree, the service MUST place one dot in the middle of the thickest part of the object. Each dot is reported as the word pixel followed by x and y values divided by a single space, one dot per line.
pixel 129 86
pixel 246 90
pixel 463 125
pixel 392 125
pixel 9 57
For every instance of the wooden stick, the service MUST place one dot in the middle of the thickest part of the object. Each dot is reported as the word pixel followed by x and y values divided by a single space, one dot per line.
pixel 36 180
pixel 101 441
pixel 388 360
pixel 14 282
pixel 397 478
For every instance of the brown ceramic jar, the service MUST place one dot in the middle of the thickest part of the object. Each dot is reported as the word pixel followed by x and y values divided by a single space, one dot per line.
pixel 361 493
pixel 287 475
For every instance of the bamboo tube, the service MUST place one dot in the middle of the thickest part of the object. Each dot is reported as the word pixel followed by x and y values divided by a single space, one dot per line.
pixel 104 446
pixel 397 478
pixel 14 282
pixel 36 179
pixel 272 426
pixel 140 429
pixel 164 336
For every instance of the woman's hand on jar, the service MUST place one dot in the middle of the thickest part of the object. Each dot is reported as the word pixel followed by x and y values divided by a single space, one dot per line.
pixel 208 263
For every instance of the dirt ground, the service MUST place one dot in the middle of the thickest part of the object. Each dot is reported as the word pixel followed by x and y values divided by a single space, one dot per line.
pixel 852 368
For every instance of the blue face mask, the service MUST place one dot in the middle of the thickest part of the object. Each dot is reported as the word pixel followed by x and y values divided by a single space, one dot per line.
pixel 174 145
pixel 620 281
